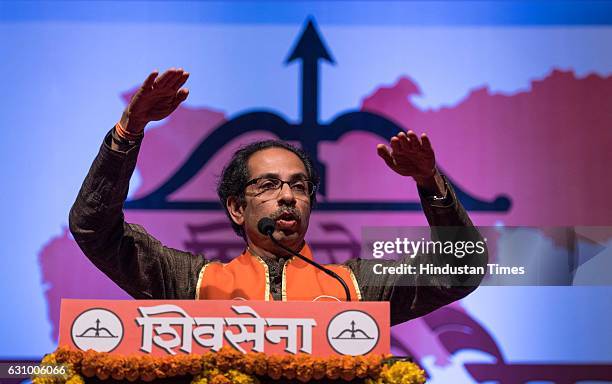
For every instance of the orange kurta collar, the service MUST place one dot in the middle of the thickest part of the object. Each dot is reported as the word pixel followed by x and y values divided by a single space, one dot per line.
pixel 247 277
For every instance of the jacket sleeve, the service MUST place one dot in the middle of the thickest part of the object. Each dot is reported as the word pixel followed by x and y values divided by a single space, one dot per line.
pixel 413 295
pixel 125 252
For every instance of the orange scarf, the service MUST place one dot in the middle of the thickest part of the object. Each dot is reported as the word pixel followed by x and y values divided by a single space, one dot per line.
pixel 247 278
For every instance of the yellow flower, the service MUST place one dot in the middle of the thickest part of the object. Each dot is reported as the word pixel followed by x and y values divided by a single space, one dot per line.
pixel 200 379
pixel 76 379
pixel 402 372
pixel 240 378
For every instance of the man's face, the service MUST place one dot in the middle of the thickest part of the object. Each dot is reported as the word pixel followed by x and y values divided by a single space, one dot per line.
pixel 289 209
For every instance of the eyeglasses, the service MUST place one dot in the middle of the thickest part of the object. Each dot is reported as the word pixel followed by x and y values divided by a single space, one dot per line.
pixel 270 186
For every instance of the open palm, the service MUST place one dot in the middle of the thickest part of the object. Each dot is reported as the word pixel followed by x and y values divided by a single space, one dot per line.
pixel 157 98
pixel 409 156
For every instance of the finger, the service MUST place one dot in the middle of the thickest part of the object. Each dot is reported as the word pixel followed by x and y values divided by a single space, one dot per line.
pixel 383 151
pixel 182 94
pixel 180 81
pixel 415 144
pixel 395 144
pixel 403 141
pixel 168 104
pixel 163 79
pixel 174 76
pixel 148 83
pixel 426 142
pixel 180 97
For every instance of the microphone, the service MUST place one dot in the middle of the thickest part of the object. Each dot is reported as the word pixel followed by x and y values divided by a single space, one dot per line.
pixel 266 227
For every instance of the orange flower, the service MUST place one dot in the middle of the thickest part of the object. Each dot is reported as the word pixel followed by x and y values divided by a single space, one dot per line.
pixel 275 366
pixel 255 363
pixel 147 376
pixel 132 368
pixel 118 367
pixel 228 365
pixel 62 355
pixel 208 361
pixel 191 364
pixel 347 370
pixel 104 366
pixel 74 359
pixel 334 367
pixel 220 379
pixel 374 365
pixel 361 367
pixel 289 367
pixel 261 364
pixel 228 358
pixel 88 364
pixel 147 367
pixel 304 370
pixel 319 368
pixel 165 367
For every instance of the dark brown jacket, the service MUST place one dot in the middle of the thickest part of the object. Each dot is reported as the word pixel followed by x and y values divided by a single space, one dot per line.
pixel 147 269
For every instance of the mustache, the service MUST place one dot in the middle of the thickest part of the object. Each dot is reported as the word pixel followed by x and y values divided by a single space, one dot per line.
pixel 291 212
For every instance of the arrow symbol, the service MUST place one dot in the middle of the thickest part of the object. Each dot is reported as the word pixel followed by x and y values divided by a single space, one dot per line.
pixel 310 48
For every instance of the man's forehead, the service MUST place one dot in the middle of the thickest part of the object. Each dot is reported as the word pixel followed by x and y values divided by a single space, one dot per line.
pixel 275 161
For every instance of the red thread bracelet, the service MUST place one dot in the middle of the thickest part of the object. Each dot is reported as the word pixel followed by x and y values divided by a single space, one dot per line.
pixel 125 134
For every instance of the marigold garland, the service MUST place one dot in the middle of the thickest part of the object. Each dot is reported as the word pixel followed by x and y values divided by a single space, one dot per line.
pixel 228 366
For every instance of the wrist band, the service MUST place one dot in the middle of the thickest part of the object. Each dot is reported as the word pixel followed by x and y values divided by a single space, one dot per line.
pixel 122 133
pixel 122 140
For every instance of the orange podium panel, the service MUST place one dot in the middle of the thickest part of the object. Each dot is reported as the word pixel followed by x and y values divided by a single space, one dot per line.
pixel 172 327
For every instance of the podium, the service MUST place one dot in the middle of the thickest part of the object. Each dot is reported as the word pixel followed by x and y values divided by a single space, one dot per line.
pixel 226 341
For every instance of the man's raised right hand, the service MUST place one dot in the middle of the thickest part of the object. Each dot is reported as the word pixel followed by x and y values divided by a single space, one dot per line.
pixel 157 98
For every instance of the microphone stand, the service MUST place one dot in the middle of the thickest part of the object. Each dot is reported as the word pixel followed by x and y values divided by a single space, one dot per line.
pixel 313 263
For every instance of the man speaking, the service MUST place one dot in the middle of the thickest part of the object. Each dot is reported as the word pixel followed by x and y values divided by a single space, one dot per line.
pixel 267 189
